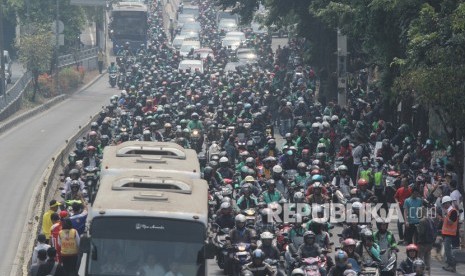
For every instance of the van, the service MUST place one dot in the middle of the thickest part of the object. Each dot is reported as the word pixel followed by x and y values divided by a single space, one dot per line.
pixel 8 65
pixel 191 64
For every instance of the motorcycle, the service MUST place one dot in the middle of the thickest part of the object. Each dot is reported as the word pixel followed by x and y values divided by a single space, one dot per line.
pixel 251 217
pixel 91 180
pixel 219 241
pixel 312 266
pixel 389 263
pixel 112 78
pixel 196 140
pixel 239 256
pixel 277 266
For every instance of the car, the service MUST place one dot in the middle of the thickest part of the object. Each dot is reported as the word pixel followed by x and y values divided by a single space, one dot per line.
pixel 187 46
pixel 232 66
pixel 204 53
pixel 246 55
pixel 179 39
pixel 190 34
pixel 191 64
pixel 257 28
pixel 8 66
pixel 226 14
pixel 239 35
pixel 185 18
pixel 231 42
pixel 278 32
pixel 190 9
pixel 191 26
pixel 227 25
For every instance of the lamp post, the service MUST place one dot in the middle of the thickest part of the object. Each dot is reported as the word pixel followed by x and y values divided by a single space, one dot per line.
pixel 57 45
pixel 2 58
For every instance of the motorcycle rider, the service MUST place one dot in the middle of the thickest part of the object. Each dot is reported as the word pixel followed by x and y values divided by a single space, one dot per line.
pixel 317 197
pixel 74 175
pixel 270 149
pixel 384 237
pixel 271 251
pixel 342 181
pixel 258 267
pixel 342 264
pixel 271 194
pixel 225 170
pixel 419 267
pixel 302 175
pixel 367 249
pixel 91 160
pixel 74 192
pixel 225 216
pixel 247 200
pixel 363 193
pixel 240 233
pixel 348 245
pixel 72 165
pixel 310 249
pixel 406 266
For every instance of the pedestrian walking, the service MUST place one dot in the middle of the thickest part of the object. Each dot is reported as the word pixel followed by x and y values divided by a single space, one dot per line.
pixel 100 59
pixel 68 239
pixel 426 238
pixel 449 231
pixel 412 210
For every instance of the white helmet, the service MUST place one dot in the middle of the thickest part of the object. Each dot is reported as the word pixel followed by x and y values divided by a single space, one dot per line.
pixel 277 169
pixel 446 199
pixel 334 118
pixel 316 125
pixel 240 218
pixel 266 235
pixel 342 168
pixel 225 205
pixel 224 159
pixel 357 205
pixel 326 118
pixel 297 272
pixel 325 124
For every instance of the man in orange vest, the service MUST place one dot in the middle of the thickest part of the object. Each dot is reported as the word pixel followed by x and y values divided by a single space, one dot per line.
pixel 449 230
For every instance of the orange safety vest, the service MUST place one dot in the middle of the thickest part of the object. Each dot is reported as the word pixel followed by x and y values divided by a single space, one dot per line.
pixel 448 228
pixel 69 246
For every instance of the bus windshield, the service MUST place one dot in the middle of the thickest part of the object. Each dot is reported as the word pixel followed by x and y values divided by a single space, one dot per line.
pixel 145 246
pixel 129 25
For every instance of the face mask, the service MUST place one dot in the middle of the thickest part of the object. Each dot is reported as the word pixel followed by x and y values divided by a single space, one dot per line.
pixel 365 163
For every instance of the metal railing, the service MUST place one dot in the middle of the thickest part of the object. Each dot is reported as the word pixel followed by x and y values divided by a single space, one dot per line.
pixel 11 101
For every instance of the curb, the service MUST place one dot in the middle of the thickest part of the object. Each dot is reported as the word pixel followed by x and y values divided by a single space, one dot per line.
pixel 41 108
pixel 39 197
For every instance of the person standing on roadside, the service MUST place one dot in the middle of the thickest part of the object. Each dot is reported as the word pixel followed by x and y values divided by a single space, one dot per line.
pixel 41 259
pixel 401 195
pixel 47 219
pixel 50 267
pixel 68 239
pixel 100 58
pixel 449 230
pixel 41 245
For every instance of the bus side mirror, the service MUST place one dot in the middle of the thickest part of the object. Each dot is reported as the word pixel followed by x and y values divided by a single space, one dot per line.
pixel 84 244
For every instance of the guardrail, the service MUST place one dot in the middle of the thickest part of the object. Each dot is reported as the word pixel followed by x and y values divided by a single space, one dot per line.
pixel 11 101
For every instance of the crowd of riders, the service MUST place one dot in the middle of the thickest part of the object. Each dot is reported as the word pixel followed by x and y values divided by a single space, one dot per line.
pixel 235 120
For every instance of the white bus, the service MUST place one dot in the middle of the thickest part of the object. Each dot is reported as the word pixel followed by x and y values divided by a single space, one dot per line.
pixel 137 219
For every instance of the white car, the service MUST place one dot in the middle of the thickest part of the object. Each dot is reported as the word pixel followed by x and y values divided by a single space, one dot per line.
pixel 232 66
pixel 231 42
pixel 185 18
pixel 187 46
pixel 239 35
pixel 203 53
pixel 227 25
pixel 179 39
pixel 246 55
pixel 192 64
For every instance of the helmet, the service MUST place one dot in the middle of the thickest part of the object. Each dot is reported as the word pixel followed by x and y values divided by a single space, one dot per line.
pixel 309 234
pixel 258 254
pixel 315 171
pixel 240 218
pixel 270 182
pixel 317 185
pixel 297 272
pixel 72 157
pixel 367 234
pixel 225 205
pixel 357 205
pixel 249 160
pixel 224 160
pixel 244 272
pixel 418 264
pixel 277 169
pixel 91 148
pixel 362 182
pixel 446 199
pixel 167 125
pixel 299 197
pixel 74 172
pixel 342 168
pixel 266 235
pixel 249 178
pixel 301 165
pixel 349 242
pixel 411 247
pixel 341 258
pixel 317 178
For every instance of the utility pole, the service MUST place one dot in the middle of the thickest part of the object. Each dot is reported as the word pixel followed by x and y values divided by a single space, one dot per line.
pixel 2 48
pixel 341 69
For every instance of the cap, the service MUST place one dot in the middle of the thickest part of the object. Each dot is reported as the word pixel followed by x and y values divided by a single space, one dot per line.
pixel 63 214
pixel 54 203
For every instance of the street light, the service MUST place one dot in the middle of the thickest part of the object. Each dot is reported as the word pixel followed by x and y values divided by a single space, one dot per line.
pixel 2 58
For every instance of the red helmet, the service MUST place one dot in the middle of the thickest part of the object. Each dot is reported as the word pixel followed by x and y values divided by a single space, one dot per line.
pixel 315 172
pixel 91 148
pixel 348 242
pixel 362 182
pixel 93 133
pixel 411 247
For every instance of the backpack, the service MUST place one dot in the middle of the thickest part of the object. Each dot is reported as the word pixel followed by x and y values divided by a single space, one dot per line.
pixel 431 231
pixel 52 273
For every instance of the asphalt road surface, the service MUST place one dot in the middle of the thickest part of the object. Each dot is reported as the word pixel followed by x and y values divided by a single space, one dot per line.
pixel 26 151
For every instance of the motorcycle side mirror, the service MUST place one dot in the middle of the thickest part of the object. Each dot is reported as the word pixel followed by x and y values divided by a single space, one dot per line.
pixel 61 188
pixel 228 238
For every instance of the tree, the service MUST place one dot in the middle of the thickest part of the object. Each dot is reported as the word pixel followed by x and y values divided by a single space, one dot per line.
pixel 35 52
